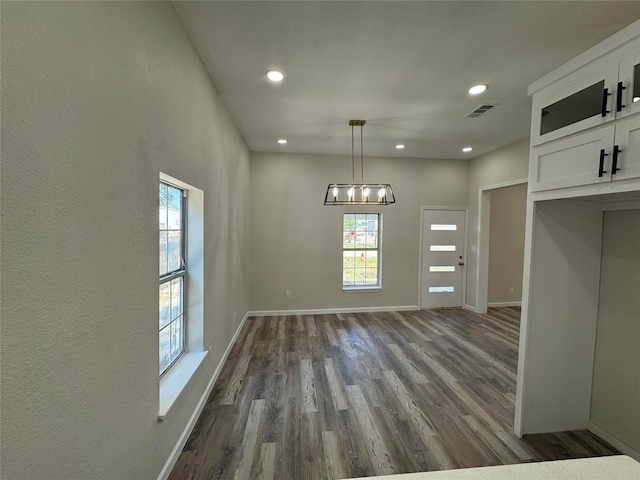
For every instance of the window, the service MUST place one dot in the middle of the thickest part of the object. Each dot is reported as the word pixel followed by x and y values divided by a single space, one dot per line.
pixel 172 274
pixel 361 260
pixel 180 289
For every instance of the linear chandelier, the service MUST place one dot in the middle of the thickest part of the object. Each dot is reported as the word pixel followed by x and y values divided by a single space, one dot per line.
pixel 358 193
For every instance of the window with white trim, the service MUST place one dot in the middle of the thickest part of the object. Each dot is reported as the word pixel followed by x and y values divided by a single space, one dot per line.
pixel 361 252
pixel 180 289
pixel 173 269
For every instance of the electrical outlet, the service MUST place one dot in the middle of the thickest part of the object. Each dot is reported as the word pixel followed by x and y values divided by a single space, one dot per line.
pixel 511 291
pixel 287 293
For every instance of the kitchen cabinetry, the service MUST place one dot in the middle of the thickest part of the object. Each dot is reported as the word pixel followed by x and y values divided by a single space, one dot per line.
pixel 610 152
pixel 629 78
pixel 582 163
pixel 597 93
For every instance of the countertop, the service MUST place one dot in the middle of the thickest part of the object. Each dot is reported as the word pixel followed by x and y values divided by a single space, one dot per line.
pixel 617 467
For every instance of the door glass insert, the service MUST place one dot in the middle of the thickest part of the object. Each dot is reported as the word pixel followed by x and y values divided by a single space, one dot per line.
pixel 574 108
pixel 442 268
pixel 442 248
pixel 441 289
pixel 441 226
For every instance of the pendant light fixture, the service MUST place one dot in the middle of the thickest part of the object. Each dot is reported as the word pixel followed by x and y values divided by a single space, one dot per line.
pixel 358 193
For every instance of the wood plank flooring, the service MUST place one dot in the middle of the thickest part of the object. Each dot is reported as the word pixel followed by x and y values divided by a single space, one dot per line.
pixel 350 395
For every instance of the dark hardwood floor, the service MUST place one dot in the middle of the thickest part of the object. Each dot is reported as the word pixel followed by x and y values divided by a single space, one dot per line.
pixel 349 395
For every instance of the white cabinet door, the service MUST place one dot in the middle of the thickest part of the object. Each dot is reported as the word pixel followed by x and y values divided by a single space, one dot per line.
pixel 629 79
pixel 573 161
pixel 626 152
pixel 575 104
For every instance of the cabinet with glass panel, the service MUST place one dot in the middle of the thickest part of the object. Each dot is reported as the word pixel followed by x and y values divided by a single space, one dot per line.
pixel 585 123
pixel 601 91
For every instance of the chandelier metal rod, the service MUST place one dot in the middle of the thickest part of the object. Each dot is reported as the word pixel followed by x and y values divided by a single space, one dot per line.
pixel 361 155
pixel 353 161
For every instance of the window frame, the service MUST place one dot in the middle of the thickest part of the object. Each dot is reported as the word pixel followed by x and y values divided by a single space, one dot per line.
pixel 171 275
pixel 378 249
pixel 176 379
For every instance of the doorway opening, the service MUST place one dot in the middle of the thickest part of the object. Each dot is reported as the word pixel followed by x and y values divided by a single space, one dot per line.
pixel 500 244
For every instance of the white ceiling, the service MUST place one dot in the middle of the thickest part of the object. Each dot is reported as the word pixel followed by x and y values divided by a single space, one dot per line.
pixel 405 67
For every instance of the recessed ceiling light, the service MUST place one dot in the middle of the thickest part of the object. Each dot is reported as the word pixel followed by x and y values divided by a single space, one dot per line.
pixel 636 99
pixel 275 75
pixel 400 146
pixel 467 149
pixel 282 141
pixel 477 89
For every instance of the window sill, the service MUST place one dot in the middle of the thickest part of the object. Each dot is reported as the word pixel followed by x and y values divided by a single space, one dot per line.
pixel 362 288
pixel 175 380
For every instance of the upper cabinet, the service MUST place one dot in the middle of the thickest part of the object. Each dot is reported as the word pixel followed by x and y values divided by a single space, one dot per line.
pixel 599 155
pixel 600 92
pixel 585 122
pixel 628 88
pixel 574 105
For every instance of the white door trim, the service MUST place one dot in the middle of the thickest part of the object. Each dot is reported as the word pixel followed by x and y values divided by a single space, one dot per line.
pixel 484 224
pixel 464 248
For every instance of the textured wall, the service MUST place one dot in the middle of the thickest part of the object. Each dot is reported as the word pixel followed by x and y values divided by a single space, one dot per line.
pixel 296 241
pixel 503 165
pixel 97 99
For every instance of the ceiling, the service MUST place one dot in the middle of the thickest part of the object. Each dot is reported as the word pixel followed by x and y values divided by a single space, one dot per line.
pixel 404 67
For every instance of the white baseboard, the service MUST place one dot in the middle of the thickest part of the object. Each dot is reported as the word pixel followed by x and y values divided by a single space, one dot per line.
pixel 504 304
pixel 175 453
pixel 471 308
pixel 614 442
pixel 327 311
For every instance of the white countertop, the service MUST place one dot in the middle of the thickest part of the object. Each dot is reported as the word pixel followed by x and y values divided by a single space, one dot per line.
pixel 617 467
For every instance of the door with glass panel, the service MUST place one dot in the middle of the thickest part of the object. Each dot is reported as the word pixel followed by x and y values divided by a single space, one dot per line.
pixel 442 258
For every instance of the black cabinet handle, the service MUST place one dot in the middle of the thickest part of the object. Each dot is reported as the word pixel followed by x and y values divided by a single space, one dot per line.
pixel 614 164
pixel 619 105
pixel 601 170
pixel 605 94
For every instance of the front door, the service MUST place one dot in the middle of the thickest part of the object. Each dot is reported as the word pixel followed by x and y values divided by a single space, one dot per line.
pixel 442 258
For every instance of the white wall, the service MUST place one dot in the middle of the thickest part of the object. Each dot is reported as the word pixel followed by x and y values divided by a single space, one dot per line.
pixel 615 399
pixel 296 241
pixel 558 327
pixel 506 243
pixel 500 166
pixel 97 99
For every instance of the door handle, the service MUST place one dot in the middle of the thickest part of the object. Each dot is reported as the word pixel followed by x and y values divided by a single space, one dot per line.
pixel 614 164
pixel 619 105
pixel 601 170
pixel 605 94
